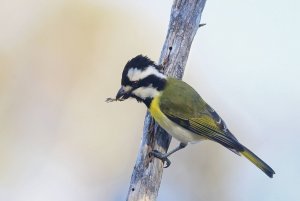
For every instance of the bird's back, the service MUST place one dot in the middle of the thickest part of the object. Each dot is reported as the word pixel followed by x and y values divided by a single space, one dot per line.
pixel 180 99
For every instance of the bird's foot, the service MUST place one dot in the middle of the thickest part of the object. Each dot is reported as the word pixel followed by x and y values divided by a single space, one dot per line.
pixel 161 156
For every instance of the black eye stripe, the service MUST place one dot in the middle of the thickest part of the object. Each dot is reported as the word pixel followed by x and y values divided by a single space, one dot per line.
pixel 153 80
pixel 156 82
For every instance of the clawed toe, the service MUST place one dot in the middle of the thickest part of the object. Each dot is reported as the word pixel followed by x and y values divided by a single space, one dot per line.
pixel 162 157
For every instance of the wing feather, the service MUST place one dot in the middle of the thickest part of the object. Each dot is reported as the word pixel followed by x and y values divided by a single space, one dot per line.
pixel 184 106
pixel 208 129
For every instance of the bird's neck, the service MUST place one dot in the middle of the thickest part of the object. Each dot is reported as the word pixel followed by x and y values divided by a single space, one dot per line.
pixel 148 102
pixel 157 87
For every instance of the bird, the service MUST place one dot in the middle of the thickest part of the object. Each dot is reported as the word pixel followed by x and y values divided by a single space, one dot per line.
pixel 179 110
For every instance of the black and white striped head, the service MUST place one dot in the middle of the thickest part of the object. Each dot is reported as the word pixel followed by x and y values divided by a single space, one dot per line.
pixel 141 79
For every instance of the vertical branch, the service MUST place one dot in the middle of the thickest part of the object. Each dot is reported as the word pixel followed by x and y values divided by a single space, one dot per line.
pixel 147 173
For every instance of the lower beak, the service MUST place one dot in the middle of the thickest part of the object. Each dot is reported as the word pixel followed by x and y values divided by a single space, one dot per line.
pixel 121 95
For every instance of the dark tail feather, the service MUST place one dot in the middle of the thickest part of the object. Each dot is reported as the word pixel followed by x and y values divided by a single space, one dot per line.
pixel 258 162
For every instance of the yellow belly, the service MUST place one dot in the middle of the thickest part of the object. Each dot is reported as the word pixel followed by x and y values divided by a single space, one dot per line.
pixel 178 132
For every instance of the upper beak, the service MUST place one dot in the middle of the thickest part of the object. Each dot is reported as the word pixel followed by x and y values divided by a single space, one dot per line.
pixel 122 94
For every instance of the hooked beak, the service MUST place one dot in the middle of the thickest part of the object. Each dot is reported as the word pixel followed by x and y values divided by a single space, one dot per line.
pixel 122 94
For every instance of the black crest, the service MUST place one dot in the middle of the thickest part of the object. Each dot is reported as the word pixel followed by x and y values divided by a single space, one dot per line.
pixel 140 62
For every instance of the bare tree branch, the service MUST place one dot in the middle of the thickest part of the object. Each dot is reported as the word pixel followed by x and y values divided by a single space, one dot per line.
pixel 147 173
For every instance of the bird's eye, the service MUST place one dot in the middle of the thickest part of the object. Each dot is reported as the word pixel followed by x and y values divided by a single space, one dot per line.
pixel 135 83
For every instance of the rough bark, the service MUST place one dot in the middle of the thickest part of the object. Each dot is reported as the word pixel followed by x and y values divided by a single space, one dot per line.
pixel 147 173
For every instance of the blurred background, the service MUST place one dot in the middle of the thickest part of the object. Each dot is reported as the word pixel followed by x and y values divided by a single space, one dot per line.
pixel 60 60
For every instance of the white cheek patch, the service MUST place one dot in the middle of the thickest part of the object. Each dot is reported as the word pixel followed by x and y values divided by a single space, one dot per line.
pixel 135 74
pixel 127 88
pixel 146 92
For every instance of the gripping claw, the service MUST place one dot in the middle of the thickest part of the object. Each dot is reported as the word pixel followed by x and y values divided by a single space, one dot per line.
pixel 161 156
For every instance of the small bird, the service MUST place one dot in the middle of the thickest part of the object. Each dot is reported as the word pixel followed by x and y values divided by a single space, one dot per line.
pixel 178 109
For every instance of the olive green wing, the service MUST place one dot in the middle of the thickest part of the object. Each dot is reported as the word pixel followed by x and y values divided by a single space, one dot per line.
pixel 184 106
pixel 208 128
pixel 219 121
